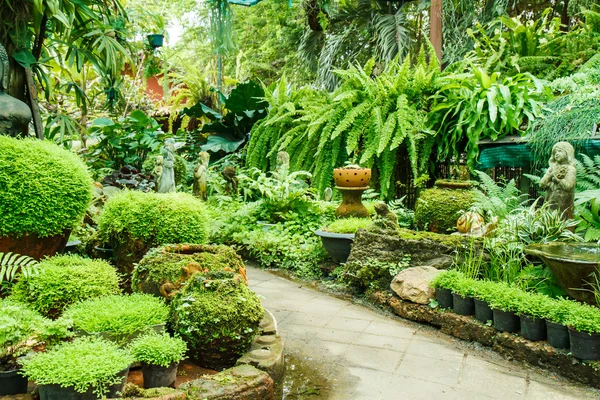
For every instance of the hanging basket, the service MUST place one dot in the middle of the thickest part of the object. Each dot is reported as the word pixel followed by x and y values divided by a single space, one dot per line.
pixel 156 40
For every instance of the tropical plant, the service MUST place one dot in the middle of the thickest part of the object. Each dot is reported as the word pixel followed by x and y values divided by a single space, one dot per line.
pixel 63 281
pixel 84 364
pixel 496 199
pixel 11 264
pixel 154 349
pixel 45 188
pixel 477 105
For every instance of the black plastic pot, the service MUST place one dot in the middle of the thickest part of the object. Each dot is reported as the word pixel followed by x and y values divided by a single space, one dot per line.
pixel 463 305
pixel 533 328
pixel 57 392
pixel 157 376
pixel 444 298
pixel 506 321
pixel 156 40
pixel 483 312
pixel 105 253
pixel 558 335
pixel 338 245
pixel 71 246
pixel 585 346
pixel 12 383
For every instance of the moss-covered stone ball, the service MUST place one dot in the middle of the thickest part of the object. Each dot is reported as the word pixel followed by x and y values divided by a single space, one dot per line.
pixel 437 209
pixel 218 316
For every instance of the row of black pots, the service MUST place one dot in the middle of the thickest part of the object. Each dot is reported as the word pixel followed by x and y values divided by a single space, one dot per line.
pixel 11 383
pixel 583 345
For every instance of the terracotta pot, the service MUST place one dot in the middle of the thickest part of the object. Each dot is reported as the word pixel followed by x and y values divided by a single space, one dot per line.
pixel 352 177
pixel 33 246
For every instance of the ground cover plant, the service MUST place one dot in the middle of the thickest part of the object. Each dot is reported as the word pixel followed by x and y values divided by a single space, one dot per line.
pixel 65 280
pixel 154 349
pixel 348 225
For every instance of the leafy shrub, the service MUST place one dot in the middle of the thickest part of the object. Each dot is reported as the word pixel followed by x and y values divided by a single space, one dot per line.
pixel 44 189
pixel 437 210
pixel 118 316
pixel 22 328
pixel 536 305
pixel 348 225
pixel 85 363
pixel 561 310
pixel 162 350
pixel 584 318
pixel 218 317
pixel 175 264
pixel 134 222
pixel 65 280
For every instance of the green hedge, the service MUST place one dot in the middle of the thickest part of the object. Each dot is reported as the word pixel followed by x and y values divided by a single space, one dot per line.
pixel 65 280
pixel 44 189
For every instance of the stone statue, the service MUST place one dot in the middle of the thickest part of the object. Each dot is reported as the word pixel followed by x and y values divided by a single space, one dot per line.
pixel 14 114
pixel 385 219
pixel 200 188
pixel 328 194
pixel 166 183
pixel 559 180
pixel 231 182
pixel 283 162
pixel 157 171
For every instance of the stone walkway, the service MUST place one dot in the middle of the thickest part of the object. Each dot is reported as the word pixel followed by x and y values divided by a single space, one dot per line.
pixel 350 352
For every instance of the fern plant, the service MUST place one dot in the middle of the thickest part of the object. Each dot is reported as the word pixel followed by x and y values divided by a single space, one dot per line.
pixel 497 200
pixel 11 264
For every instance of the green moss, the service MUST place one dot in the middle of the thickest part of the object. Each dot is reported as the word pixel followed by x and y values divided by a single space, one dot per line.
pixel 180 168
pixel 437 210
pixel 348 225
pixel 65 280
pixel 447 240
pixel 44 189
pixel 176 263
pixel 218 317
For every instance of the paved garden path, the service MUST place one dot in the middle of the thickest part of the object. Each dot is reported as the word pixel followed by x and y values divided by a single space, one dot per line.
pixel 346 351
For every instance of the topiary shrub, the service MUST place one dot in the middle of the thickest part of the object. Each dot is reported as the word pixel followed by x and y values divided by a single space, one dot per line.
pixel 437 210
pixel 180 168
pixel 133 222
pixel 218 316
pixel 164 269
pixel 65 280
pixel 44 189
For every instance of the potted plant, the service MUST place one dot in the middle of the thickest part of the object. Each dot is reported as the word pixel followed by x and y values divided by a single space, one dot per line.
pixel 504 304
pixel 584 331
pixel 45 192
pixel 118 318
pixel 20 330
pixel 352 175
pixel 160 355
pixel 338 236
pixel 557 331
pixel 462 297
pixel 65 280
pixel 444 284
pixel 218 317
pixel 533 310
pixel 156 39
pixel 482 291
pixel 87 368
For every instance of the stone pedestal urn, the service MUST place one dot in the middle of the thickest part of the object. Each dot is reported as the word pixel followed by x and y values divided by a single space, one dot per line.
pixel 352 181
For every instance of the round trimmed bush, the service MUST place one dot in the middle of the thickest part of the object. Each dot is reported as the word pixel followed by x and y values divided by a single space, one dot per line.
pixel 218 316
pixel 133 222
pixel 65 280
pixel 437 210
pixel 44 189
pixel 164 269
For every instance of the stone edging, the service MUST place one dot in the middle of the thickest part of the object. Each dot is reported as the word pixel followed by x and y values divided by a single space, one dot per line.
pixel 539 354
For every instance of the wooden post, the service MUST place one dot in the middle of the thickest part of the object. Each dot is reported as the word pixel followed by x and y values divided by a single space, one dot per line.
pixel 435 30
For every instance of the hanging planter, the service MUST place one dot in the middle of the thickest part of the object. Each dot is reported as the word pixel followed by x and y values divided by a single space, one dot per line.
pixel 156 40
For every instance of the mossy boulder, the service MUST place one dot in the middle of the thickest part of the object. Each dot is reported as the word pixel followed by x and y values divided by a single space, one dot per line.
pixel 180 168
pixel 438 209
pixel 133 222
pixel 163 270
pixel 66 280
pixel 218 316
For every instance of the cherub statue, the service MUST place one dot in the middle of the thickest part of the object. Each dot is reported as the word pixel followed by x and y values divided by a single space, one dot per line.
pixel 157 171
pixel 283 162
pixel 559 180
pixel 200 188
pixel 167 178
pixel 231 180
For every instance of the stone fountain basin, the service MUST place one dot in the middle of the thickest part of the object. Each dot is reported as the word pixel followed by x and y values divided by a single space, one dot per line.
pixel 573 265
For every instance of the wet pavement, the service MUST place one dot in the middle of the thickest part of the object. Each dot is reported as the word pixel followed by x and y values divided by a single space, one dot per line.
pixel 339 350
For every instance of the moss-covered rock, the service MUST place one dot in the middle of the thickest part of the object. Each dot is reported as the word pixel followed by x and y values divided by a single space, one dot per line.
pixel 164 269
pixel 133 222
pixel 437 210
pixel 218 316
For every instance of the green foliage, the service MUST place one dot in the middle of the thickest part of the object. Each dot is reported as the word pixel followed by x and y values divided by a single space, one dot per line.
pixel 373 273
pixel 437 210
pixel 406 216
pixel 560 311
pixel 448 280
pixel 162 350
pixel 21 329
pixel 126 141
pixel 371 119
pixel 12 264
pixel 44 189
pixel 216 314
pixel 117 317
pixel 65 280
pixel 85 363
pixel 348 225
pixel 476 105
pixel 496 200
pixel 154 218
pixel 584 318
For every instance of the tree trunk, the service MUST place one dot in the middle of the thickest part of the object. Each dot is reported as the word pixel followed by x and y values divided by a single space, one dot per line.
pixel 565 21
pixel 435 31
